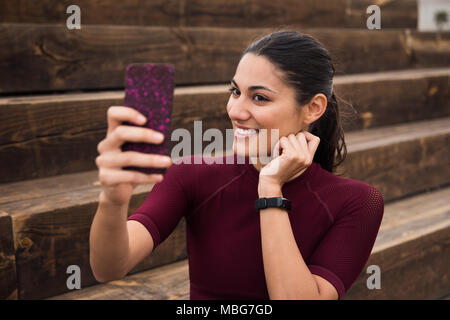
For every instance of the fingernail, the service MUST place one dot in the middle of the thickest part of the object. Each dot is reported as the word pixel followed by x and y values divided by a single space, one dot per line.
pixel 165 160
pixel 159 136
pixel 141 118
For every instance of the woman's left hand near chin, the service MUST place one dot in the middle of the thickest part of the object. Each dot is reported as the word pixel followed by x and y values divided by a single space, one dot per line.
pixel 297 155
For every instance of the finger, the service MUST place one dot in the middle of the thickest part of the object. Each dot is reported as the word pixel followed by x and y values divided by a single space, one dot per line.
pixel 294 142
pixel 313 142
pixel 303 145
pixel 287 148
pixel 132 158
pixel 111 177
pixel 117 114
pixel 126 133
pixel 276 150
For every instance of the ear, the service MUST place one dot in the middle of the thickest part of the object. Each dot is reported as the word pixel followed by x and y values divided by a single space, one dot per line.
pixel 315 108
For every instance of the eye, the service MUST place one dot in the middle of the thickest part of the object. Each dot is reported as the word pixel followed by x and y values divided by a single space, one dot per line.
pixel 235 91
pixel 262 99
pixel 232 90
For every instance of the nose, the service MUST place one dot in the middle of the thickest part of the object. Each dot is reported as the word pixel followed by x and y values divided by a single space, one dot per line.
pixel 237 109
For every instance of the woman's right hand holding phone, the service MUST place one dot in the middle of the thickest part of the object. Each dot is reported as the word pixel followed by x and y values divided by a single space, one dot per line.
pixel 118 184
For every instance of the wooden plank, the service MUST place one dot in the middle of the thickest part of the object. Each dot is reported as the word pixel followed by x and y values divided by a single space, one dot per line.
pixel 399 160
pixel 394 14
pixel 58 134
pixel 388 98
pixel 412 250
pixel 8 277
pixel 218 13
pixel 66 141
pixel 52 233
pixel 51 57
pixel 170 282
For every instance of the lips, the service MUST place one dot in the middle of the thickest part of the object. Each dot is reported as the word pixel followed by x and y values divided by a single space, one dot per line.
pixel 246 128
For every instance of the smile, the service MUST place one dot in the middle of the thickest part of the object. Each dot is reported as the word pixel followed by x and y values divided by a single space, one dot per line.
pixel 244 133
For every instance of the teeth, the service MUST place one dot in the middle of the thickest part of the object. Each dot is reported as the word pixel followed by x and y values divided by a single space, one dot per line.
pixel 246 131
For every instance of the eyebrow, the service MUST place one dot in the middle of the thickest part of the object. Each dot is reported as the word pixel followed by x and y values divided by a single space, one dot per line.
pixel 252 88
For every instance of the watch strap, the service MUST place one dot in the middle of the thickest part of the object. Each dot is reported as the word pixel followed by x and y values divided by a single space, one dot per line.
pixel 274 202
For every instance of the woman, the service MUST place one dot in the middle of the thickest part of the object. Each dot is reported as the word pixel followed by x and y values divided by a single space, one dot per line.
pixel 315 250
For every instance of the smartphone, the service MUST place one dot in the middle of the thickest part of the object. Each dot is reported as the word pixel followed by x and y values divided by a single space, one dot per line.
pixel 149 89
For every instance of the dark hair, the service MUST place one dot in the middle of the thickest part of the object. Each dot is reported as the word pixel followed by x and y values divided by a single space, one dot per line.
pixel 307 67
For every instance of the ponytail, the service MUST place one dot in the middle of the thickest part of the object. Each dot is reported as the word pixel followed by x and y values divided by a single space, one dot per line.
pixel 332 149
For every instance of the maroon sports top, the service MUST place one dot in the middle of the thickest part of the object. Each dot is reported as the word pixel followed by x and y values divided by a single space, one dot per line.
pixel 335 221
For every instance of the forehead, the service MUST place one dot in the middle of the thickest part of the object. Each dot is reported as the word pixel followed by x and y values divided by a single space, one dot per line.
pixel 257 70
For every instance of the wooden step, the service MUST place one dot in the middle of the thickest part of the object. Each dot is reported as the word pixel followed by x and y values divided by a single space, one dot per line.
pixel 37 57
pixel 51 217
pixel 234 13
pixel 412 251
pixel 401 159
pixel 8 278
pixel 57 134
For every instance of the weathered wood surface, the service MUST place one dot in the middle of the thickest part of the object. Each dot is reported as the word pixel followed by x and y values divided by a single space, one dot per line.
pixel 169 282
pixel 412 250
pixel 51 220
pixel 39 58
pixel 58 134
pixel 218 13
pixel 52 216
pixel 50 136
pixel 8 278
pixel 401 159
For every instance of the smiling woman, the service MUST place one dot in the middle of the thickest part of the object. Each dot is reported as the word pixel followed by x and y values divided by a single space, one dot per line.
pixel 314 250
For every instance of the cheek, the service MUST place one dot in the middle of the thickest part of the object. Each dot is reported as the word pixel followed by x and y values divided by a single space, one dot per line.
pixel 229 103
pixel 268 120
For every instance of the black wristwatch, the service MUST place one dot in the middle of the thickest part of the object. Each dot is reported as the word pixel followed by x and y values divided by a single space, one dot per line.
pixel 276 202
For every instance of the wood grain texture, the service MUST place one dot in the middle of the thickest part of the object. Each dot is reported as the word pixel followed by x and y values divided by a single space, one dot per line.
pixel 52 233
pixel 218 13
pixel 8 277
pixel 412 250
pixel 58 134
pixel 61 136
pixel 169 282
pixel 402 159
pixel 38 58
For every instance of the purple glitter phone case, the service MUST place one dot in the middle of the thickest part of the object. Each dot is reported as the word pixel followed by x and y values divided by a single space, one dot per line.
pixel 149 89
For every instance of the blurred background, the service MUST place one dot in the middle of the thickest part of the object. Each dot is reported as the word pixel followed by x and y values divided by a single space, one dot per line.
pixel 56 84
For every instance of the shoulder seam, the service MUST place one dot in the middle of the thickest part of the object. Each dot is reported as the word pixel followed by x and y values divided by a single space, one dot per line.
pixel 216 192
